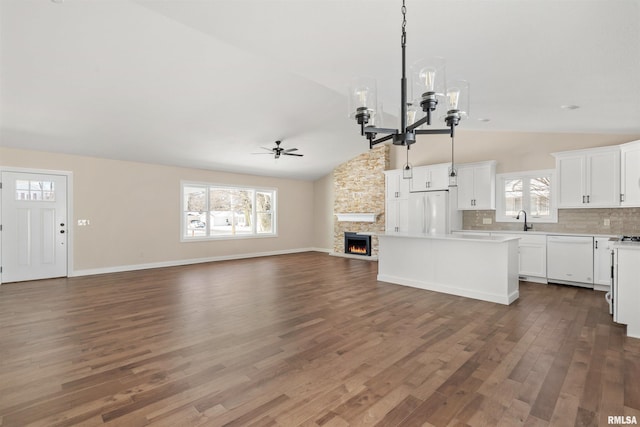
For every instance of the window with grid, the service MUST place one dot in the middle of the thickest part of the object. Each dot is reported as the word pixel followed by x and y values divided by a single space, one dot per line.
pixel 530 191
pixel 212 211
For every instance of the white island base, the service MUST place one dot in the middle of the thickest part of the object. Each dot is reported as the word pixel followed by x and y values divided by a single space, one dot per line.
pixel 479 267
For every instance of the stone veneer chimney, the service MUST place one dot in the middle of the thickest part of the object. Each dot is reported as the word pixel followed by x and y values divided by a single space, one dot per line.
pixel 359 188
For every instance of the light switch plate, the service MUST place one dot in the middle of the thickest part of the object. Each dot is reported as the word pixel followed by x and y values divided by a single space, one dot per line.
pixel 486 221
pixel 607 222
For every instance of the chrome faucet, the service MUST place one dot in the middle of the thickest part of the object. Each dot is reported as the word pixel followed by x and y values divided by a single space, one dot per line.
pixel 526 227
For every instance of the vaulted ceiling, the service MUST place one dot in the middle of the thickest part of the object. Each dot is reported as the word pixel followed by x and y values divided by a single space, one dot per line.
pixel 206 83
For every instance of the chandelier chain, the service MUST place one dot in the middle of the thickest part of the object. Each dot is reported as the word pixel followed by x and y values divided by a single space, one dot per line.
pixel 404 23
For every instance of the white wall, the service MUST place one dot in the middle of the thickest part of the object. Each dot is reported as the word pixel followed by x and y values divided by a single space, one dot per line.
pixel 323 213
pixel 134 209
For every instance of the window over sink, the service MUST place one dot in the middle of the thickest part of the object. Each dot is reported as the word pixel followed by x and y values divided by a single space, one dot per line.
pixel 531 191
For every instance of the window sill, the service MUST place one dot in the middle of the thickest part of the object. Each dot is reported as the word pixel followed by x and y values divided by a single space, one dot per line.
pixel 236 237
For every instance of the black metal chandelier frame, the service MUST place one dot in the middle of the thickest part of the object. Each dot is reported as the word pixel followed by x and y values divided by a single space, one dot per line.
pixel 406 135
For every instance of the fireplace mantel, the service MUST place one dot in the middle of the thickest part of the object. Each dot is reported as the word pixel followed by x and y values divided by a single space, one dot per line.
pixel 356 217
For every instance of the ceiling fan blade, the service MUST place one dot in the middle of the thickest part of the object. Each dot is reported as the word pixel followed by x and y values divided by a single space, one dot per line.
pixel 261 153
pixel 288 150
pixel 292 154
pixel 268 149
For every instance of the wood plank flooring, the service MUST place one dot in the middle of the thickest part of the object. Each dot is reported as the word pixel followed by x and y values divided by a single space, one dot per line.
pixel 305 339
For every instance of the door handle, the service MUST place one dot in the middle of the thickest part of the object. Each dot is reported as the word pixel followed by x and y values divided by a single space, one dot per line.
pixel 61 231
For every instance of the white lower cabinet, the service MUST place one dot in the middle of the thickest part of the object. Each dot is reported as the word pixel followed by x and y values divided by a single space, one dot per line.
pixel 601 264
pixel 579 260
pixel 532 256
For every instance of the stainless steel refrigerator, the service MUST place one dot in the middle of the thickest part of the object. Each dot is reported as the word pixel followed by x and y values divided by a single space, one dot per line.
pixel 434 212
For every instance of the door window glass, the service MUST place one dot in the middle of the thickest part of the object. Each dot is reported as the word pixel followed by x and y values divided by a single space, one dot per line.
pixel 27 190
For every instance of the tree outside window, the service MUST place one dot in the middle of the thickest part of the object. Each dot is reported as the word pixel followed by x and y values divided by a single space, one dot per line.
pixel 222 211
pixel 528 191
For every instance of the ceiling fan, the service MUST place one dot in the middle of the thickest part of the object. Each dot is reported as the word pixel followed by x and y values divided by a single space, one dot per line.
pixel 277 151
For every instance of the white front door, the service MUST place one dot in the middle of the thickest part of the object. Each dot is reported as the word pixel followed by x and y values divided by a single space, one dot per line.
pixel 34 226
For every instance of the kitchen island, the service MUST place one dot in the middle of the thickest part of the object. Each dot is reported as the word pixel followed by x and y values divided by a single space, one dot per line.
pixel 480 267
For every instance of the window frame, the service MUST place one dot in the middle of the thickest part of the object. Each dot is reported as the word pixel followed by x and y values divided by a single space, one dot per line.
pixel 526 186
pixel 254 234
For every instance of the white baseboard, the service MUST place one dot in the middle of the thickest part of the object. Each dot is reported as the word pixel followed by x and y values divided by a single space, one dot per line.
pixel 325 250
pixel 451 290
pixel 133 267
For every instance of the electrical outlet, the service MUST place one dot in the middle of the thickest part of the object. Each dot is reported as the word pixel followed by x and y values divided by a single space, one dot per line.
pixel 486 221
pixel 607 222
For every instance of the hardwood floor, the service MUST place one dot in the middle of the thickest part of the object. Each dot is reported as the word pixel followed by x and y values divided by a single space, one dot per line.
pixel 305 339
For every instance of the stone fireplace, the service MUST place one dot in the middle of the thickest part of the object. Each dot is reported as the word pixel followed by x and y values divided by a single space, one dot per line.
pixel 359 198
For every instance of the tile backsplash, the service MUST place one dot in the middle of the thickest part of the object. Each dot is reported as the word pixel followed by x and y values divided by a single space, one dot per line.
pixel 622 221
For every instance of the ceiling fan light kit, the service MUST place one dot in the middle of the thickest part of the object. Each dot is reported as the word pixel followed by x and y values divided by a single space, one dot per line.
pixel 428 90
pixel 278 151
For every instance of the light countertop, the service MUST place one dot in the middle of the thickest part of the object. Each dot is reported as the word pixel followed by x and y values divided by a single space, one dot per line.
pixel 627 245
pixel 459 237
pixel 539 233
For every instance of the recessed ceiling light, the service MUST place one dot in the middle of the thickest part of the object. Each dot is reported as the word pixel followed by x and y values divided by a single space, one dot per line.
pixel 569 107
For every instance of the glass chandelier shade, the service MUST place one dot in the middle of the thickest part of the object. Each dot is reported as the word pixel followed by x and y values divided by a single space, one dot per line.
pixel 457 98
pixel 363 99
pixel 421 93
pixel 428 77
pixel 414 113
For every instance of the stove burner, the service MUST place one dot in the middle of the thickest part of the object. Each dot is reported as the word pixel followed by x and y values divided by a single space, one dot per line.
pixel 630 239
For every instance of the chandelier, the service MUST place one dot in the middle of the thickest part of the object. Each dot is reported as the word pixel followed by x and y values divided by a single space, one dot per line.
pixel 428 89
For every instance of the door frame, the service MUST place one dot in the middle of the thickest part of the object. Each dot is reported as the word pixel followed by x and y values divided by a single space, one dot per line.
pixel 71 228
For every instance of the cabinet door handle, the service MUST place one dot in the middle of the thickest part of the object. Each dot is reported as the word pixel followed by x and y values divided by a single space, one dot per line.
pixel 596 244
pixel 621 197
pixel 582 199
pixel 588 201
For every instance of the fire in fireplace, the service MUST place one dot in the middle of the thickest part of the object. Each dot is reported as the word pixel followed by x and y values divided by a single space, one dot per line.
pixel 357 244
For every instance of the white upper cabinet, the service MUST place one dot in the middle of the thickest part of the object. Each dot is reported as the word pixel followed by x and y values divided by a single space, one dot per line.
pixel 477 186
pixel 397 216
pixel 433 177
pixel 396 186
pixel 589 178
pixel 630 174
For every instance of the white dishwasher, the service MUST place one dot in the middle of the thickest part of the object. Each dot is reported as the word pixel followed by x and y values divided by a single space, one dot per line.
pixel 570 260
